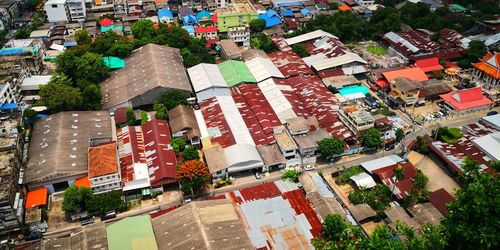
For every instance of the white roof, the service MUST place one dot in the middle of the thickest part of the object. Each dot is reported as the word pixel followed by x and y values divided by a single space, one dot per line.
pixel 363 180
pixel 308 36
pixel 34 82
pixel 242 157
pixel 57 47
pixel 314 59
pixel 235 121
pixel 39 33
pixel 263 68
pixel 489 144
pixel 281 106
pixel 398 39
pixel 201 124
pixel 49 2
pixel 347 58
pixel 379 163
pixel 494 120
pixel 204 76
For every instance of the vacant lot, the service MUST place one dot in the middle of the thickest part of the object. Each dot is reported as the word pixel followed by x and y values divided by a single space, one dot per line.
pixel 57 219
pixel 438 178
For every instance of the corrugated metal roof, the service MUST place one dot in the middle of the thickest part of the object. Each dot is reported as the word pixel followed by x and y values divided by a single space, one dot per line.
pixel 263 68
pixel 338 61
pixel 204 76
pixel 235 72
pixel 379 163
pixel 308 36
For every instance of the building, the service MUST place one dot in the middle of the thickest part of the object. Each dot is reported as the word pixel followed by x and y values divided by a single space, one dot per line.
pixel 87 237
pixel 466 100
pixel 289 149
pixel 237 14
pixel 120 236
pixel 365 3
pixel 207 81
pixel 183 124
pixel 59 147
pixel 7 94
pixel 151 70
pixel 104 168
pixel 20 58
pixel 240 35
pixel 229 50
pixel 209 32
pixel 217 227
pixel 77 10
pixel 147 144
pixel 271 156
pixel 236 72
pixel 385 78
pixel 486 73
pixel 271 18
pixel 9 11
pixel 31 86
pixel 57 11
pixel 263 69
pixel 405 90
pixel 358 120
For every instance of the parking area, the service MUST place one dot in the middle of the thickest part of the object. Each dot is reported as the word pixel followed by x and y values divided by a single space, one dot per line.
pixel 438 178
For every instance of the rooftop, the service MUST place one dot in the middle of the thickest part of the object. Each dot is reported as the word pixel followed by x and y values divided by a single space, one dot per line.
pixel 59 144
pixel 238 6
pixel 311 139
pixel 284 140
pixel 236 72
pixel 416 74
pixel 466 99
pixel 120 237
pixel 103 160
pixel 182 118
pixel 490 64
pixel 230 49
pixel 145 71
pixel 271 154
pixel 37 198
pixel 87 237
pixel 263 68
pixel 379 163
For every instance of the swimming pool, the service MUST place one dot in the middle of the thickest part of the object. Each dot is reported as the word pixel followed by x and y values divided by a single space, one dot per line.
pixel 353 89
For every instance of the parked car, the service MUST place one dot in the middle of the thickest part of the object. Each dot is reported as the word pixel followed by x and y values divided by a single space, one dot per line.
pixel 492 113
pixel 309 167
pixel 87 221
pixel 108 215
pixel 35 235
pixel 257 175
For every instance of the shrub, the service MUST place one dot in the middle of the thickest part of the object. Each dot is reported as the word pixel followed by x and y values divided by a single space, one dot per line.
pixel 344 177
pixel 291 174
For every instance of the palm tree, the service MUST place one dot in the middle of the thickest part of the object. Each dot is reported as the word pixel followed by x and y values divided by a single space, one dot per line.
pixel 398 172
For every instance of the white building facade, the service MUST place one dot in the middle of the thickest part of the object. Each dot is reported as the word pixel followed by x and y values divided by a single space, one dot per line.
pixel 56 11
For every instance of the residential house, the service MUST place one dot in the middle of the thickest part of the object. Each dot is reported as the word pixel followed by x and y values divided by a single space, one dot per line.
pixel 358 120
pixel 466 100
pixel 7 94
pixel 159 69
pixel 486 73
pixel 57 11
pixel 165 16
pixel 209 32
pixel 120 8
pixel 271 18
pixel 59 147
pixel 272 156
pixel 183 124
pixel 306 13
pixel 104 168
pixel 289 149
pixel 31 86
pixel 193 4
pixel 405 90
pixel 308 144
pixel 240 35
pixel 237 14
pixel 147 144
pixel 77 10
pixel 365 3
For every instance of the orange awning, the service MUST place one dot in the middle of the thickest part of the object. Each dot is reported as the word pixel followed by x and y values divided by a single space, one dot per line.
pixel 82 182
pixel 344 8
pixel 37 198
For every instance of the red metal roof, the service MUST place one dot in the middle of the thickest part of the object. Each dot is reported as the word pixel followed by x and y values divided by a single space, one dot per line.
pixel 467 99
pixel 37 198
pixel 103 160
pixel 120 115
pixel 439 199
pixel 429 64
pixel 302 206
pixel 208 29
pixel 106 22
pixel 214 118
pixel 82 182
pixel 405 185
pixel 382 84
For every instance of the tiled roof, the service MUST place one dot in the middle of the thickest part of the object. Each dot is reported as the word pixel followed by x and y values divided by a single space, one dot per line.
pixel 430 64
pixel 103 160
pixel 467 99
pixel 490 64
pixel 37 198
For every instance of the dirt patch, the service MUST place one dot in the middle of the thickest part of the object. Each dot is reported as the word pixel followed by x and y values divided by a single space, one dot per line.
pixel 342 190
pixel 57 219
pixel 370 226
pixel 438 178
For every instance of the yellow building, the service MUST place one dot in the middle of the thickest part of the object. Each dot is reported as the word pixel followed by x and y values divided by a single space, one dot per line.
pixel 237 14
pixel 405 90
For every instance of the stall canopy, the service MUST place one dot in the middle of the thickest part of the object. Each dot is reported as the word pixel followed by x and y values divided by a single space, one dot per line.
pixel 37 198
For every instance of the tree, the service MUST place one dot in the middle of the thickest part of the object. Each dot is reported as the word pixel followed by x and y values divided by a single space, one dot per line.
pixel 30 116
pixel 385 20
pixel 91 67
pixel 103 43
pixel 66 63
pixel 60 97
pixel 170 99
pixel 144 117
pixel 61 79
pixel 193 176
pixel 76 199
pixel 178 144
pixel 257 25
pixel 291 174
pixel 161 110
pixel 143 29
pixel 421 145
pixel 105 202
pixel 32 4
pixel 399 173
pixel 399 134
pixel 337 234
pixel 120 49
pixel 477 50
pixel 473 217
pixel 91 95
pixel 372 138
pixel 130 115
pixel 190 153
pixel 300 50
pixel 22 34
pixel 82 37
pixel 334 228
pixel 263 42
pixel 330 147
pixel 495 165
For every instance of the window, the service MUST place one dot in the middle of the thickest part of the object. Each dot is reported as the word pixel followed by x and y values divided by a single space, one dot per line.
pixel 54 6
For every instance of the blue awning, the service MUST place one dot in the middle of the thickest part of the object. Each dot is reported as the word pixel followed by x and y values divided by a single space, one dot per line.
pixel 8 106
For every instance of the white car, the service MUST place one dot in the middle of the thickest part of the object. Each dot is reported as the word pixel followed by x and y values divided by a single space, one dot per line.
pixel 309 167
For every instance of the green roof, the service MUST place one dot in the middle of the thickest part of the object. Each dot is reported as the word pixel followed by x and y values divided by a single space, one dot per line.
pixel 132 233
pixel 459 7
pixel 111 27
pixel 114 62
pixel 235 72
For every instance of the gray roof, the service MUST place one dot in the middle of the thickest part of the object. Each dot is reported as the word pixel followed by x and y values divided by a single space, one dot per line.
pixel 271 154
pixel 92 237
pixel 212 224
pixel 426 213
pixel 60 142
pixel 253 53
pixel 405 84
pixel 182 118
pixel 311 139
pixel 321 197
pixel 215 158
pixel 362 211
pixel 230 48
pixel 147 68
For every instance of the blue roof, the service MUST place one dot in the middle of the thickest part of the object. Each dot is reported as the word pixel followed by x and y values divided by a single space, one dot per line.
pixel 8 106
pixel 189 29
pixel 305 12
pixel 70 44
pixel 203 15
pixel 11 51
pixel 270 13
pixel 291 4
pixel 165 13
pixel 190 19
pixel 272 20
pixel 287 13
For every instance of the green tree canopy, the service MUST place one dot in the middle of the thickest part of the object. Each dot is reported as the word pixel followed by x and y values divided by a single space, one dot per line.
pixel 130 115
pixel 76 199
pixel 291 174
pixel 172 98
pixel 190 153
pixel 82 37
pixel 193 175
pixel 91 95
pixel 372 138
pixel 105 202
pixel 161 110
pixel 263 42
pixel 330 147
pixel 257 25
pixel 91 67
pixel 60 97
pixel 178 144
pixel 300 50
pixel 143 29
